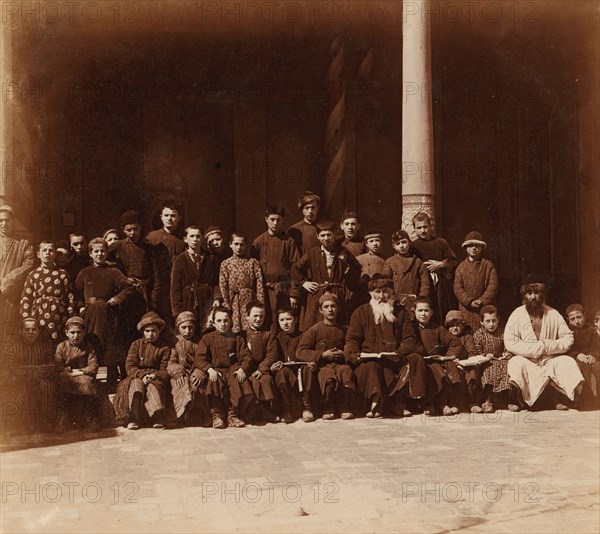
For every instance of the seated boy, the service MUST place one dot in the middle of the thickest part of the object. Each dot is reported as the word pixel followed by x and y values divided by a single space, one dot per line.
pixel 262 347
pixel 223 356
pixel 489 342
pixel 323 343
pixel 77 365
pixel 292 378
pixel 187 383
pixel 440 350
pixel 583 351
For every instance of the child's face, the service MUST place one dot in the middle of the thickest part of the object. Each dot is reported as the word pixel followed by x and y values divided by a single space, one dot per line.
pixel 170 219
pixel 374 244
pixel 423 229
pixel 287 322
pixel 256 317
pixel 151 333
pixel 597 325
pixel 5 222
pixel 238 246
pixel 132 231
pixel 576 319
pixel 329 310
pixel 46 253
pixel 187 329
pixel 111 238
pixel 490 322
pixel 75 334
pixel 310 211
pixel 326 238
pixel 30 331
pixel 215 242
pixel 402 246
pixel 98 254
pixel 474 251
pixel 456 329
pixel 222 322
pixel 193 239
pixel 423 313
pixel 78 244
pixel 274 222
pixel 62 257
pixel 350 227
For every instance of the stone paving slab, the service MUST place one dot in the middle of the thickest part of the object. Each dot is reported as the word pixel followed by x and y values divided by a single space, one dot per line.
pixel 504 472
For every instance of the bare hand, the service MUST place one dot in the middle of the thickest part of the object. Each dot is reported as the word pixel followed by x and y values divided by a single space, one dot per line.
pixel 433 265
pixel 195 381
pixel 256 374
pixel 476 304
pixel 312 365
pixel 311 287
pixel 240 374
pixel 180 381
pixel 147 379
pixel 77 372
pixel 277 366
pixel 213 374
pixel 586 358
pixel 293 302
pixel 333 354
pixel 113 302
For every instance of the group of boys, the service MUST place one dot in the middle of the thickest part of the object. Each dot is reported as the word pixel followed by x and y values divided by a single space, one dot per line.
pixel 340 331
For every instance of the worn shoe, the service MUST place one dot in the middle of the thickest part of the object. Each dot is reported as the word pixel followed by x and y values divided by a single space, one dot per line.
pixel 562 407
pixel 513 408
pixel 429 410
pixel 158 426
pixel 217 421
pixel 487 407
pixel 328 416
pixel 446 410
pixel 454 410
pixel 307 416
pixel 234 421
pixel 347 415
pixel 287 418
pixel 133 426
pixel 476 409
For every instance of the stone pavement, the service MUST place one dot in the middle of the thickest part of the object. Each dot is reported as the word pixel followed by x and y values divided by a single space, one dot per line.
pixel 502 472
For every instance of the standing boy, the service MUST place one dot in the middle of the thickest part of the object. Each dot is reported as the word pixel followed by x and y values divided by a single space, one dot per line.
pixel 304 232
pixel 440 261
pixel 276 252
pixel 325 268
pixel 475 280
pixel 351 226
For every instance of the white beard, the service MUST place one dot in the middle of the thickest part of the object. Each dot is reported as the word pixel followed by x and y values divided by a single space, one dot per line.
pixel 383 311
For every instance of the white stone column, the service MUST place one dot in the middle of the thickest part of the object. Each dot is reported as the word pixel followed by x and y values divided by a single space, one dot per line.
pixel 418 184
pixel 6 102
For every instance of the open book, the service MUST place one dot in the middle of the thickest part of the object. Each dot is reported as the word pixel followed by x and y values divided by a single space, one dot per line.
pixel 376 355
pixel 473 360
pixel 438 358
pixel 291 364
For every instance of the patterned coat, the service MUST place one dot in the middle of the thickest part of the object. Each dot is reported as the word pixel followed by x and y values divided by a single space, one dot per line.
pixel 409 274
pixel 47 296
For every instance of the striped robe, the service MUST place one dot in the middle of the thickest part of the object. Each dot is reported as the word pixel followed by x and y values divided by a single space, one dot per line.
pixel 181 365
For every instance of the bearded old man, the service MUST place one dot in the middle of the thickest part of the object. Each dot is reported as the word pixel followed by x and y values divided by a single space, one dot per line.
pixel 383 326
pixel 540 339
pixel 16 260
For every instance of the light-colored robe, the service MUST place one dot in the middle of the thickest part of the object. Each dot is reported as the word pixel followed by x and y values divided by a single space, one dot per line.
pixel 537 362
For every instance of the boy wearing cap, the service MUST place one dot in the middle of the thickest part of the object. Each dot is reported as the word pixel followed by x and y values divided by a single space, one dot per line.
pixel 276 252
pixel 325 268
pixel 408 273
pixel 350 226
pixel 583 351
pixel 224 357
pixel 187 383
pixel 142 396
pixel 77 365
pixel 323 343
pixel 439 259
pixel 371 263
pixel 194 277
pixel 475 280
pixel 304 232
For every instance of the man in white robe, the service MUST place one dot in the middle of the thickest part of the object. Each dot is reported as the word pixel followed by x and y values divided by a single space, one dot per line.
pixel 539 338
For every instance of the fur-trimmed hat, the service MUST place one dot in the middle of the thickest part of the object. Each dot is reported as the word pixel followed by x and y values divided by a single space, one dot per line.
pixel 148 319
pixel 379 281
pixel 75 321
pixel 328 296
pixel 212 230
pixel 184 317
pixel 6 207
pixel 474 238
pixel 130 217
pixel 373 232
pixel 308 196
pixel 533 282
pixel 574 307
pixel 454 317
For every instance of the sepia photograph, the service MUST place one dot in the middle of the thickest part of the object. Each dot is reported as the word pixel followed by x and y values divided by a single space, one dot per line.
pixel 300 266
